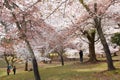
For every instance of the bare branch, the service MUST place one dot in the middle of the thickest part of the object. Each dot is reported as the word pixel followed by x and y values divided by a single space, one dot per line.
pixel 56 9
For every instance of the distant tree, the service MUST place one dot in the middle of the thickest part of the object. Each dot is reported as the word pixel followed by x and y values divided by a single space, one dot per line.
pixel 59 47
pixel 26 57
pixel 9 53
pixel 116 38
pixel 59 42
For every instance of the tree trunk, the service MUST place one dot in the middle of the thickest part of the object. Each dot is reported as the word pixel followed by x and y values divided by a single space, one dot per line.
pixel 34 61
pixel 104 43
pixel 12 60
pixel 91 39
pixel 92 54
pixel 35 69
pixel 114 54
pixel 62 60
pixel 6 60
pixel 26 65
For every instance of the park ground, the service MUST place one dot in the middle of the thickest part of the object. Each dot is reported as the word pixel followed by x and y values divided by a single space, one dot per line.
pixel 73 70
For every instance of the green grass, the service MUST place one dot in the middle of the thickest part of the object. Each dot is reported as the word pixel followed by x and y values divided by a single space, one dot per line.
pixel 72 71
pixel 1 72
pixel 2 63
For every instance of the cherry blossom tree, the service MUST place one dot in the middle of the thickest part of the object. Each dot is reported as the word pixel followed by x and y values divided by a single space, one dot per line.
pixel 9 53
pixel 7 45
pixel 13 10
pixel 59 47
pixel 87 34
pixel 97 13
pixel 22 53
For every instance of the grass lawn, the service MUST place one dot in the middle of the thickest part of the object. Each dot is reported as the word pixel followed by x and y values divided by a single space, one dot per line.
pixel 72 71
